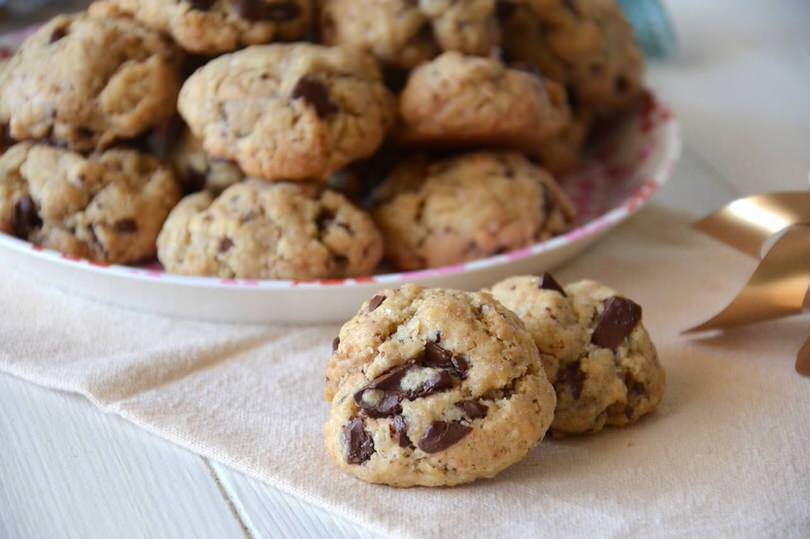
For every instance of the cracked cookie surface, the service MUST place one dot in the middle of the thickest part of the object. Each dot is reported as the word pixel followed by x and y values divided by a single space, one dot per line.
pixel 107 207
pixel 594 348
pixel 289 112
pixel 434 387
pixel 216 26
pixel 269 230
pixel 404 33
pixel 86 82
pixel 465 100
pixel 587 45
pixel 448 211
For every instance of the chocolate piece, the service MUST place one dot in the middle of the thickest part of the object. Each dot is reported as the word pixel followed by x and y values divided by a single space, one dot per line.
pixel 504 10
pixel 25 220
pixel 439 381
pixel 570 375
pixel 335 344
pixel 440 435
pixel 125 226
pixel 316 94
pixel 436 356
pixel 57 34
pixel 375 302
pixel 473 409
pixel 618 320
pixel 399 431
pixel 390 393
pixel 262 10
pixel 547 282
pixel 202 5
pixel 225 245
pixel 359 443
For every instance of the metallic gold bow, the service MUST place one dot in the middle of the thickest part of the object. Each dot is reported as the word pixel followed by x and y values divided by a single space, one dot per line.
pixel 776 228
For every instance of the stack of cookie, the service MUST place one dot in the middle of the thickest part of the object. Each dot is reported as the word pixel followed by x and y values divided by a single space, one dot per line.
pixel 428 133
pixel 442 387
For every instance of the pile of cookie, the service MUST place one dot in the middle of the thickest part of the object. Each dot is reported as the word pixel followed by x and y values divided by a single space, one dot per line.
pixel 300 139
pixel 434 387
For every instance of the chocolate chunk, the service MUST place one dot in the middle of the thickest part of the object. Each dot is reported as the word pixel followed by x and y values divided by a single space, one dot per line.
pixel 473 409
pixel 25 220
pixel 440 435
pixel 439 381
pixel 202 5
pixel 316 94
pixel 634 387
pixel 225 245
pixel 359 443
pixel 438 357
pixel 262 10
pixel 57 34
pixel 125 226
pixel 388 392
pixel 504 10
pixel 571 376
pixel 335 344
pixel 375 302
pixel 399 431
pixel 547 282
pixel 618 320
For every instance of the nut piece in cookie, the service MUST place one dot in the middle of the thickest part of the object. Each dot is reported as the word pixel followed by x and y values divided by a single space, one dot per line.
pixel 458 100
pixel 213 27
pixel 264 230
pixel 86 82
pixel 594 348
pixel 449 211
pixel 404 33
pixel 289 112
pixel 107 207
pixel 434 387
pixel 586 45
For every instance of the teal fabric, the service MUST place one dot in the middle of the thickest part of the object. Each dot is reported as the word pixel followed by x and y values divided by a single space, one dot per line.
pixel 652 26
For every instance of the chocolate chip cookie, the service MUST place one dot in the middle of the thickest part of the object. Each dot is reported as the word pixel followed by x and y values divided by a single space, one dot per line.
pixel 269 230
pixel 587 45
pixel 87 82
pixel 562 153
pixel 448 211
pixel 434 387
pixel 107 207
pixel 594 348
pixel 404 33
pixel 289 112
pixel 197 170
pixel 216 26
pixel 465 100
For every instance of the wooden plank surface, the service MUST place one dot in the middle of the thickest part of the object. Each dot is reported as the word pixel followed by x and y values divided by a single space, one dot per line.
pixel 69 470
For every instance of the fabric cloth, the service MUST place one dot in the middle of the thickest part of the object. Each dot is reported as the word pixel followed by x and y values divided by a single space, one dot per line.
pixel 725 455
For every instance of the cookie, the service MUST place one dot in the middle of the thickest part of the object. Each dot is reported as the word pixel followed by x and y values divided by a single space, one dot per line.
pixel 289 112
pixel 403 33
pixel 197 171
pixel 434 387
pixel 562 153
pixel 269 230
pixel 587 45
pixel 213 27
pixel 594 348
pixel 458 100
pixel 458 209
pixel 86 82
pixel 107 207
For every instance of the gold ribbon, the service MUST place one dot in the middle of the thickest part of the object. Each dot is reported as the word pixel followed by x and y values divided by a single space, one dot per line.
pixel 775 228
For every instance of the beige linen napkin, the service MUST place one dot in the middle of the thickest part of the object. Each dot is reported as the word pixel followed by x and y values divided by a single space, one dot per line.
pixel 725 455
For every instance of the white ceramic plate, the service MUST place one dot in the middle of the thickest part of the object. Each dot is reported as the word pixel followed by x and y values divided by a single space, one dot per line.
pixel 621 176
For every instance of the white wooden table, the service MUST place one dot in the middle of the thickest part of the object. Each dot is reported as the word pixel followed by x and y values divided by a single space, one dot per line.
pixel 740 86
